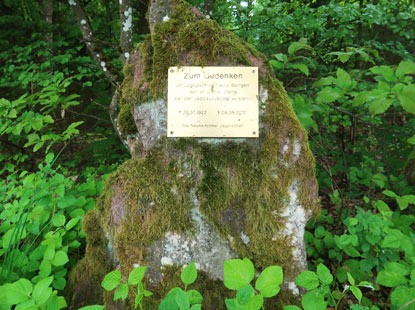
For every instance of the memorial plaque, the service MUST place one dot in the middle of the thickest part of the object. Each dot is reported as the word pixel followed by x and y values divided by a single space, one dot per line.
pixel 212 102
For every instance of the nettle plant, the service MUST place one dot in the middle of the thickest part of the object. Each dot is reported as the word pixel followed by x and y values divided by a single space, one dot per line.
pixel 238 276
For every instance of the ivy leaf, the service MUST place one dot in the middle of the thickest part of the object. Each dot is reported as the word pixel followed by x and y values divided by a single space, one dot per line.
pixel 407 98
pixel 268 283
pixel 189 274
pixel 307 279
pixel 238 273
pixel 111 280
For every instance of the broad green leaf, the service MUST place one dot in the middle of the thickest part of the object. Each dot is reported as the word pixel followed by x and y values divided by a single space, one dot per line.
pixel 111 280
pixel 380 105
pixel 401 296
pixel 238 273
pixel 350 279
pixel 296 46
pixel 357 293
pixel 390 278
pixel 324 81
pixel 189 274
pixel 324 274
pixel 18 291
pixel 182 300
pixel 407 98
pixel 71 223
pixel 389 193
pixel 256 302
pixel 244 295
pixel 385 71
pixel 307 279
pixel 268 283
pixel 42 290
pixel 291 307
pixel 121 292
pixel 194 297
pixel 94 307
pixel 302 67
pixel 343 79
pixel 361 98
pixel 405 67
pixel 136 275
pixel 329 94
pixel 58 220
pixel 196 307
pixel 60 259
pixel 313 301
pixel 402 203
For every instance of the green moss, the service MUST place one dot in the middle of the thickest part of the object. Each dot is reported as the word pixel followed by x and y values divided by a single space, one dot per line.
pixel 126 120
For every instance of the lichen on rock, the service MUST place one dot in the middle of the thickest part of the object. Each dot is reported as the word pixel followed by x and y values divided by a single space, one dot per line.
pixel 204 200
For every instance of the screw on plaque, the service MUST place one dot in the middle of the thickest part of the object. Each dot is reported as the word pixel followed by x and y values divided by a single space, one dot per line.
pixel 171 132
pixel 172 70
pixel 254 132
pixel 253 70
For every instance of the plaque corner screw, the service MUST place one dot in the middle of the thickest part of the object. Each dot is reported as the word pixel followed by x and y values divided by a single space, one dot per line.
pixel 172 70
pixel 253 70
pixel 254 132
pixel 171 132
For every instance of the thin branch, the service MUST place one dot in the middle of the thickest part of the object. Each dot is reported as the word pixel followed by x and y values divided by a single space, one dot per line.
pixel 91 43
pixel 90 116
pixel 407 304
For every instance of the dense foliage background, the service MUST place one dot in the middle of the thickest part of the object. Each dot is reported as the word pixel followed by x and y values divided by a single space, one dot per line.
pixel 348 67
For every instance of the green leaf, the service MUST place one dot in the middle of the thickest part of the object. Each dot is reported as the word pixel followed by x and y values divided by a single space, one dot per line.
pixel 94 307
pixel 343 79
pixel 361 98
pixel 380 104
pixel 121 292
pixel 389 193
pixel 182 300
pixel 58 220
pixel 357 293
pixel 385 71
pixel 402 203
pixel 71 223
pixel 350 279
pixel 268 283
pixel 291 307
pixel 324 274
pixel 60 259
pixel 256 302
pixel 296 46
pixel 329 94
pixel 401 296
pixel 244 295
pixel 111 280
pixel 194 297
pixel 18 291
pixel 405 67
pixel 189 274
pixel 136 275
pixel 308 280
pixel 42 290
pixel 407 98
pixel 313 301
pixel 238 273
pixel 390 278
pixel 302 67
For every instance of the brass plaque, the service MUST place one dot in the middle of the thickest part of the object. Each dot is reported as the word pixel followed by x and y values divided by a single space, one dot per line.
pixel 212 102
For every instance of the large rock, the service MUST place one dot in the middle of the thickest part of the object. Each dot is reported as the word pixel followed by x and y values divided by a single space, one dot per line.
pixel 204 200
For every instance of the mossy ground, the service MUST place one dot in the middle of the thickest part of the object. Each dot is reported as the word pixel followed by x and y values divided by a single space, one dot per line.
pixel 240 185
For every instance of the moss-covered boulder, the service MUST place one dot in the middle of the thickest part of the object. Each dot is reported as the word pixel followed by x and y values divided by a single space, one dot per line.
pixel 204 200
